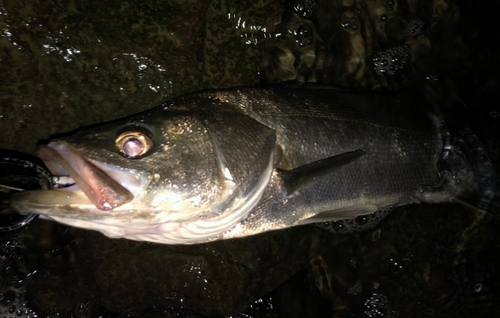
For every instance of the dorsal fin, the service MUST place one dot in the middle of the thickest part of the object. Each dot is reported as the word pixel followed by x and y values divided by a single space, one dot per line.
pixel 303 176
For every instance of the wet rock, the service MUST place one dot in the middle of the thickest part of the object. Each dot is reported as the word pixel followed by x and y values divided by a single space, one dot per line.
pixel 349 35
pixel 14 275
pixel 216 279
pixel 70 65
pixel 407 267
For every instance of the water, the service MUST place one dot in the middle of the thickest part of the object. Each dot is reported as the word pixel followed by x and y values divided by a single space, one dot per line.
pixel 64 65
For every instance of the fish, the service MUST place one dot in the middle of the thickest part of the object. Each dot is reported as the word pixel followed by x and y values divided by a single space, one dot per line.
pixel 230 163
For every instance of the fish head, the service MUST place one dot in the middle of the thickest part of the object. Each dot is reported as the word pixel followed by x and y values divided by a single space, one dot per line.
pixel 168 176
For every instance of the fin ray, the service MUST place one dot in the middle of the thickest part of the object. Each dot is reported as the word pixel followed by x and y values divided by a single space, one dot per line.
pixel 341 214
pixel 303 176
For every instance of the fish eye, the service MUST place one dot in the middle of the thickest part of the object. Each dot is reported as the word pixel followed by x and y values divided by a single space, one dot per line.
pixel 133 144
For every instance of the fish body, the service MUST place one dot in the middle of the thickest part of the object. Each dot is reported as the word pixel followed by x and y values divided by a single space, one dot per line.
pixel 232 163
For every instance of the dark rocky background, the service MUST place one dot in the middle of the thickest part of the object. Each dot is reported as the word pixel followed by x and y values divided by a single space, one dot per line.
pixel 65 64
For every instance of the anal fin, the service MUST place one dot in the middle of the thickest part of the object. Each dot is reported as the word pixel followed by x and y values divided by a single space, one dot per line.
pixel 341 214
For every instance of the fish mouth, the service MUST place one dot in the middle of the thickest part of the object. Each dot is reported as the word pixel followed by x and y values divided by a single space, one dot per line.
pixel 101 184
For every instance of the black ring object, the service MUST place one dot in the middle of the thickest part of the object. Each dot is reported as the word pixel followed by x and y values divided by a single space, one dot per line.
pixel 19 171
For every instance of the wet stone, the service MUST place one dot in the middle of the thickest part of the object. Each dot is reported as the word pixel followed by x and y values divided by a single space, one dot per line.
pixel 216 279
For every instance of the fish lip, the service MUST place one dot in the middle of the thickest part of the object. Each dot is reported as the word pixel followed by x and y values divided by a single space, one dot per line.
pixel 99 187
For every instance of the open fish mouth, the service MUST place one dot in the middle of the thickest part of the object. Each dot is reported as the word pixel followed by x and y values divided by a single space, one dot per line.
pixel 96 183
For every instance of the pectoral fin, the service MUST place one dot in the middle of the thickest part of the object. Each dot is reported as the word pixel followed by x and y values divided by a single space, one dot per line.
pixel 341 214
pixel 303 176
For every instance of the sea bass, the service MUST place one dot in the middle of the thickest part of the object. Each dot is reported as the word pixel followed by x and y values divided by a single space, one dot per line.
pixel 237 162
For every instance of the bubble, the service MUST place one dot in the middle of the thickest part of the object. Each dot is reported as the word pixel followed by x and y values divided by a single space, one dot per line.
pixel 82 311
pixel 359 224
pixel 478 287
pixel 305 8
pixel 362 220
pixel 351 24
pixel 494 114
pixel 378 306
pixel 432 77
pixel 353 262
pixel 414 28
pixel 392 60
pixel 396 265
pixel 304 34
pixel 390 2
pixel 355 289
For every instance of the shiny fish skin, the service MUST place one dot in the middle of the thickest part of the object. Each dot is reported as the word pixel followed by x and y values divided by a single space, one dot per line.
pixel 214 169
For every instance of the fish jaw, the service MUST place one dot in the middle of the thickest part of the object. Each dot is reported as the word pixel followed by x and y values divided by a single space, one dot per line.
pixel 103 191
pixel 99 187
